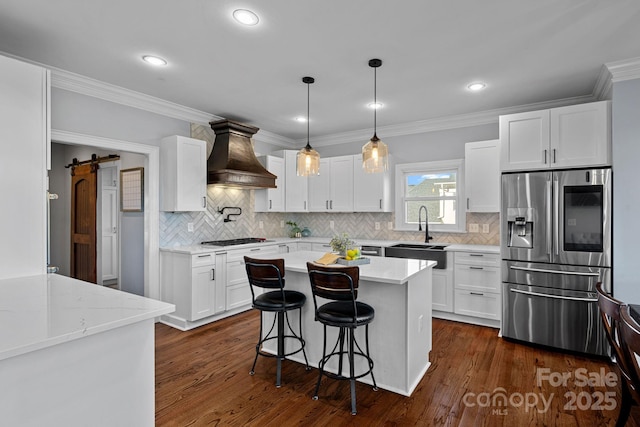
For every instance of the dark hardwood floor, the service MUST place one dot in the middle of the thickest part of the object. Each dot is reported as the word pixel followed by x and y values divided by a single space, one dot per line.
pixel 202 378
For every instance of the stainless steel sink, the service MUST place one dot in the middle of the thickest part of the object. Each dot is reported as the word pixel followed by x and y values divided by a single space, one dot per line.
pixel 419 251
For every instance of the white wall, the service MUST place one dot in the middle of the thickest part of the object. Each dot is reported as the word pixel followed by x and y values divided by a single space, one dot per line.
pixel 423 147
pixel 626 202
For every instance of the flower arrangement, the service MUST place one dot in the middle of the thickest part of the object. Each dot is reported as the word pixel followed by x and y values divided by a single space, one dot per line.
pixel 341 243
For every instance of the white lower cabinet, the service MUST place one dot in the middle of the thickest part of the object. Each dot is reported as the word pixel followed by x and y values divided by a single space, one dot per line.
pixel 442 288
pixel 206 287
pixel 304 246
pixel 321 247
pixel 238 290
pixel 192 283
pixel 477 285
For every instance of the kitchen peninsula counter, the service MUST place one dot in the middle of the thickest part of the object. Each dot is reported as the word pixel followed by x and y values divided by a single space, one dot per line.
pixel 75 353
pixel 400 335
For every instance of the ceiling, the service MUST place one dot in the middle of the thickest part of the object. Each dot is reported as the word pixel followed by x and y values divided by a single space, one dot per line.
pixel 526 53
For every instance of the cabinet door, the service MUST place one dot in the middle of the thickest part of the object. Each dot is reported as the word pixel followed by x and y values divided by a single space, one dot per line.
pixel 341 199
pixel 320 188
pixel 24 132
pixel 296 191
pixel 442 292
pixel 272 199
pixel 202 292
pixel 370 190
pixel 482 176
pixel 581 135
pixel 524 141
pixel 183 181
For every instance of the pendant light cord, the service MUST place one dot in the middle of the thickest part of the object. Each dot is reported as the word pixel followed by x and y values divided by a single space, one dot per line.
pixel 375 100
pixel 308 145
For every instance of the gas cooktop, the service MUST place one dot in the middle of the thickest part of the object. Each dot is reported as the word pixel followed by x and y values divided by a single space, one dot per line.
pixel 232 242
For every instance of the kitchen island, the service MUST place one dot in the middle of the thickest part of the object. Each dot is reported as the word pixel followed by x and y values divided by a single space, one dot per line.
pixel 400 335
pixel 74 353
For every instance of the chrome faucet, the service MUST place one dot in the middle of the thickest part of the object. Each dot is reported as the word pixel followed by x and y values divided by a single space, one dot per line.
pixel 426 223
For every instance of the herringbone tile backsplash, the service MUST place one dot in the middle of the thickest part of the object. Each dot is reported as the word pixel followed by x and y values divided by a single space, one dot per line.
pixel 210 225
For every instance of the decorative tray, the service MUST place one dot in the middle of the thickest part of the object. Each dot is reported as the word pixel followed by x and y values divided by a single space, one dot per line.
pixel 359 261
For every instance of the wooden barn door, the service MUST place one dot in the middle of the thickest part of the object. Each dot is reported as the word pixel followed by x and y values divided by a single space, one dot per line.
pixel 83 222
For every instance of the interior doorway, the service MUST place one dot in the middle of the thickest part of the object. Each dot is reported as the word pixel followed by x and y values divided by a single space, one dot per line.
pixel 147 260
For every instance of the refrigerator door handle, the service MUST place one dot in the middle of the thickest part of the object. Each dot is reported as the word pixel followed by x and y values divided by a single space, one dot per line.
pixel 566 273
pixel 539 294
pixel 549 224
pixel 556 209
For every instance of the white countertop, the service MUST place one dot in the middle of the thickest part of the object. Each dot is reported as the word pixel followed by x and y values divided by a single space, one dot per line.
pixel 42 311
pixel 199 249
pixel 386 270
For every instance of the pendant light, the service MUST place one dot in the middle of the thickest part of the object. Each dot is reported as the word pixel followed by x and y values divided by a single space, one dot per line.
pixel 308 159
pixel 375 155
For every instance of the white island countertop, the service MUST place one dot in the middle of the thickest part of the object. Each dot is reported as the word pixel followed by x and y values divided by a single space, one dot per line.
pixel 386 270
pixel 41 311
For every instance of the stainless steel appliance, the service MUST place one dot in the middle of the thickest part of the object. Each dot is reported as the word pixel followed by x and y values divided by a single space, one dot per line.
pixel 556 245
pixel 371 250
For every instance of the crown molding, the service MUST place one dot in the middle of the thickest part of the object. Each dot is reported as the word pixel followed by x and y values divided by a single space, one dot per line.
pixel 274 139
pixel 443 123
pixel 66 80
pixel 604 86
pixel 627 69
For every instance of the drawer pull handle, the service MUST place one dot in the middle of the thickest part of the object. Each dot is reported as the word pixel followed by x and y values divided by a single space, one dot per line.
pixel 254 250
pixel 477 293
pixel 203 256
pixel 476 255
pixel 476 268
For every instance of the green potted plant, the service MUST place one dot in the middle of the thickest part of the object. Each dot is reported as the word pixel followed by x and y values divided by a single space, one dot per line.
pixel 294 230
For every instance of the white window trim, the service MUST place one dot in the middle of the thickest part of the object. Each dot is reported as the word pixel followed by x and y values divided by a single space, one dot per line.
pixel 444 165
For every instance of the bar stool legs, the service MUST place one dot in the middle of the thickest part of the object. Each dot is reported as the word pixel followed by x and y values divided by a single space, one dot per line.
pixel 353 349
pixel 280 318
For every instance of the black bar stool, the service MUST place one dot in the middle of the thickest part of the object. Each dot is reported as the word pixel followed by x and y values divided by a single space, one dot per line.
pixel 340 285
pixel 269 274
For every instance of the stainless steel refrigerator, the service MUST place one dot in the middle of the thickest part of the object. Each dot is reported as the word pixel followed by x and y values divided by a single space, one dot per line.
pixel 555 246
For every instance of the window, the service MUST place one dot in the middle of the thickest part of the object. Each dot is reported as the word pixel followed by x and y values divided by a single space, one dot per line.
pixel 438 186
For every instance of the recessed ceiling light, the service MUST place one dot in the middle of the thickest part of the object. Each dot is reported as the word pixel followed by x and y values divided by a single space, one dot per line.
pixel 375 105
pixel 301 119
pixel 476 86
pixel 154 60
pixel 245 17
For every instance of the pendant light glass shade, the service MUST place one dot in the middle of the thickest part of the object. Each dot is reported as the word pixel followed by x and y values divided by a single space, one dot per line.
pixel 375 154
pixel 308 159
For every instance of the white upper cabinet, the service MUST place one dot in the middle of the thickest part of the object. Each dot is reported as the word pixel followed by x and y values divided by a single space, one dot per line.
pixel 332 190
pixel 272 199
pixel 581 135
pixel 24 132
pixel 482 176
pixel 573 136
pixel 183 174
pixel 295 187
pixel 371 191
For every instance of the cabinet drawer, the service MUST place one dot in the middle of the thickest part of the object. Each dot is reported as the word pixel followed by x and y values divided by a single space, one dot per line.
pixel 478 304
pixel 203 259
pixel 239 254
pixel 238 295
pixel 475 278
pixel 478 258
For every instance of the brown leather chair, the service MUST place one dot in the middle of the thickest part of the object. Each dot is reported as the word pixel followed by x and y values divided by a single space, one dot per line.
pixel 610 313
pixel 339 285
pixel 268 274
pixel 630 343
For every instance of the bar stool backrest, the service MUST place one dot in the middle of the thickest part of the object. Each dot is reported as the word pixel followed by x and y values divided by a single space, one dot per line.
pixel 265 273
pixel 334 283
pixel 610 315
pixel 630 334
